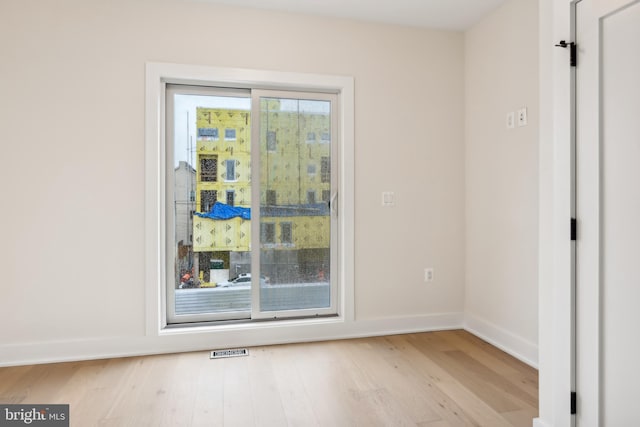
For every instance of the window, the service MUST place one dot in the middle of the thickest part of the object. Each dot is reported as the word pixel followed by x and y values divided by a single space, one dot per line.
pixel 325 169
pixel 271 140
pixel 207 199
pixel 311 197
pixel 271 198
pixel 326 137
pixel 326 195
pixel 230 198
pixel 311 169
pixel 286 233
pixel 209 168
pixel 311 137
pixel 268 233
pixel 208 134
pixel 230 134
pixel 283 113
pixel 230 174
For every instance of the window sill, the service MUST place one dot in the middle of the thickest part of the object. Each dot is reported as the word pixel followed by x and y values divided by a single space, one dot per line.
pixel 248 325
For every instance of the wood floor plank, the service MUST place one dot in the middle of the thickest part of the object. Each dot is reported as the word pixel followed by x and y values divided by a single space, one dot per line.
pixel 208 394
pixel 478 352
pixel 297 405
pixel 409 396
pixel 499 354
pixel 461 372
pixel 264 391
pixel 238 405
pixel 487 376
pixel 422 374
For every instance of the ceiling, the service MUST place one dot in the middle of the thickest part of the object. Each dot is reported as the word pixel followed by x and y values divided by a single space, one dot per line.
pixel 441 14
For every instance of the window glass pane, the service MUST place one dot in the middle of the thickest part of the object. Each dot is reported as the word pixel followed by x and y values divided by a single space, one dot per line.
pixel 285 233
pixel 296 258
pixel 325 169
pixel 311 137
pixel 207 200
pixel 271 141
pixel 208 168
pixel 212 256
pixel 268 232
pixel 208 134
pixel 209 190
pixel 231 170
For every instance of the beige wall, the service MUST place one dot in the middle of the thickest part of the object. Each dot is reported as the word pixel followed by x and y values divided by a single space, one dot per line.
pixel 72 120
pixel 501 75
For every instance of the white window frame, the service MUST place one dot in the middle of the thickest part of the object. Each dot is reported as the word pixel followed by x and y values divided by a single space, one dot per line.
pixel 158 75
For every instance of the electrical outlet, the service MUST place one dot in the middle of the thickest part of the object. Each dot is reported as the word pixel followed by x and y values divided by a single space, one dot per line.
pixel 522 116
pixel 428 274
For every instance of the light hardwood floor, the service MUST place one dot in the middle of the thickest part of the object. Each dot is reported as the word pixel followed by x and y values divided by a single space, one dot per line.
pixel 435 379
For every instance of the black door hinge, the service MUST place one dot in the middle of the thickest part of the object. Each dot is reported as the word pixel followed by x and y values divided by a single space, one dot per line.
pixel 574 230
pixel 573 403
pixel 572 49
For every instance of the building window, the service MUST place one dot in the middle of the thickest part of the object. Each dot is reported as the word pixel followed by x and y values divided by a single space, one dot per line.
pixel 268 232
pixel 208 134
pixel 325 169
pixel 230 134
pixel 326 137
pixel 231 197
pixel 326 196
pixel 311 137
pixel 271 197
pixel 207 199
pixel 311 169
pixel 286 233
pixel 208 168
pixel 231 170
pixel 271 140
pixel 311 197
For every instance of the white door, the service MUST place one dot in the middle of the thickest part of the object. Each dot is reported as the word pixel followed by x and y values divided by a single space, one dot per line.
pixel 607 34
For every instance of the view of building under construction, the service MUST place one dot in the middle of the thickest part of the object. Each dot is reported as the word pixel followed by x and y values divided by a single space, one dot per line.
pixel 213 196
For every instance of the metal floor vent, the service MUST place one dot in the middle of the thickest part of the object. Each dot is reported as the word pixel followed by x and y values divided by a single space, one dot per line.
pixel 220 354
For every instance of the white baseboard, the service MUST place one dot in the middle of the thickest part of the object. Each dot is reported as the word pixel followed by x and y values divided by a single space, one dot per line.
pixel 212 337
pixel 537 422
pixel 507 341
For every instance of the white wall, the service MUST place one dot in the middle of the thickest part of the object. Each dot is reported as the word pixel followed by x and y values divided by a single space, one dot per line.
pixel 72 120
pixel 501 75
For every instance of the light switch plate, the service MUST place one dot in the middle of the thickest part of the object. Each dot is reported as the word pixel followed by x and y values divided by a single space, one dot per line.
pixel 388 198
pixel 511 120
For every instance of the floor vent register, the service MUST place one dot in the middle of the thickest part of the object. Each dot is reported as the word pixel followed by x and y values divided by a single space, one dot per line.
pixel 221 354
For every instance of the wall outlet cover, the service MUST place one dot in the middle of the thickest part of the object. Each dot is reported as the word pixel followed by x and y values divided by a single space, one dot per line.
pixel 522 116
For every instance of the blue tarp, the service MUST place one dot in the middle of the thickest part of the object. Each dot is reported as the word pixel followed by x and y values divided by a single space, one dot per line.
pixel 222 211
